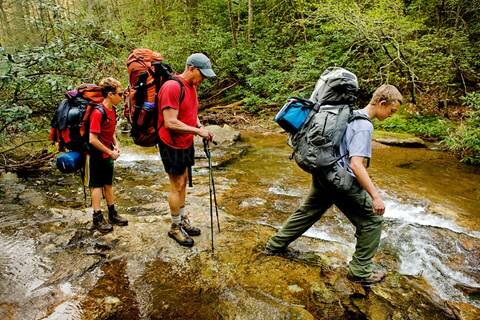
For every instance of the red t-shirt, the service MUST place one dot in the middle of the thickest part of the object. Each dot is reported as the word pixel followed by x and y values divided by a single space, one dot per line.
pixel 105 130
pixel 169 97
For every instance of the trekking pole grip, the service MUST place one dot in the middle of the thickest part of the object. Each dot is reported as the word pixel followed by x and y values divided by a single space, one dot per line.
pixel 206 148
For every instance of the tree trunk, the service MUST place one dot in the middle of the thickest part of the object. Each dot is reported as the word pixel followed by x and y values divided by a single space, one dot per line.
pixel 5 28
pixel 90 6
pixel 232 23
pixel 250 21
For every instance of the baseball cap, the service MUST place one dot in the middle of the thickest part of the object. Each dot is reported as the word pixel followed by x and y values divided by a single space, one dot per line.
pixel 202 62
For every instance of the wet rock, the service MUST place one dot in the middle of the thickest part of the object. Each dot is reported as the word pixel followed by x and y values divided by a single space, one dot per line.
pixel 7 311
pixel 321 294
pixel 112 304
pixel 10 187
pixel 326 303
pixel 402 142
pixel 226 150
pixel 294 288
pixel 468 289
pixel 32 197
pixel 225 135
pixel 8 178
pixel 70 268
pixel 252 202
pixel 248 304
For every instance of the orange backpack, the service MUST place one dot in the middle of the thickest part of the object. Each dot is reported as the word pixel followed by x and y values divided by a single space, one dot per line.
pixel 70 123
pixel 146 74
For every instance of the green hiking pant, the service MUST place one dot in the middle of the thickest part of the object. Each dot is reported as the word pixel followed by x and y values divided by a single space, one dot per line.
pixel 355 203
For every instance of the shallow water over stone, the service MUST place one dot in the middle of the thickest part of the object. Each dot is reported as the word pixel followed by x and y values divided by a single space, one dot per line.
pixel 423 231
pixel 53 267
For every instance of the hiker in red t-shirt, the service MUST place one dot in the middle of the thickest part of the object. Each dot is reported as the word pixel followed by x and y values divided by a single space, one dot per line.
pixel 177 124
pixel 104 149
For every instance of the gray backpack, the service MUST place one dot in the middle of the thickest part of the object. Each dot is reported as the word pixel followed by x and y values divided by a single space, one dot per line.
pixel 316 145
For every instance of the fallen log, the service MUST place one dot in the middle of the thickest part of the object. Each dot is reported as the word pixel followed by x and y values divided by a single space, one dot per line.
pixel 235 105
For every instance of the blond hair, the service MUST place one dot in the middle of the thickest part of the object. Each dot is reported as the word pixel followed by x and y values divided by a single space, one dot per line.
pixel 109 85
pixel 388 93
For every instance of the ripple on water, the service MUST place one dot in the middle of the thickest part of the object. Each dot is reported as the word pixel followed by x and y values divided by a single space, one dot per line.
pixel 418 214
pixel 22 270
pixel 436 256
pixel 279 190
pixel 430 246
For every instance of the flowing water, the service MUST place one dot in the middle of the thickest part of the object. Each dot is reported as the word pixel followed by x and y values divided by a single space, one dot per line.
pixel 432 216
pixel 49 266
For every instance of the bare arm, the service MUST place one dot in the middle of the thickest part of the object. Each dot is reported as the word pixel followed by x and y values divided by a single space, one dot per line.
pixel 116 146
pixel 172 123
pixel 199 124
pixel 93 139
pixel 356 163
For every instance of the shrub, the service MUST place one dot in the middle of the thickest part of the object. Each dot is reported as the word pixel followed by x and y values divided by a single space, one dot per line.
pixel 424 126
pixel 465 140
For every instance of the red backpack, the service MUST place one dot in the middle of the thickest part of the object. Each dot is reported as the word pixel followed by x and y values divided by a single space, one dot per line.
pixel 146 74
pixel 70 123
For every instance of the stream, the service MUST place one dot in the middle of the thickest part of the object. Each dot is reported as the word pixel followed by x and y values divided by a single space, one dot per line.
pixel 53 267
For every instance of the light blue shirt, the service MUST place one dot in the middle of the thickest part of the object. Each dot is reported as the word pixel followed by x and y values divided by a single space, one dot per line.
pixel 357 141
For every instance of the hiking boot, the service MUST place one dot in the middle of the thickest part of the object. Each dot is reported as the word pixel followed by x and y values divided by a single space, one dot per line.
pixel 100 224
pixel 191 230
pixel 287 253
pixel 115 218
pixel 376 276
pixel 181 236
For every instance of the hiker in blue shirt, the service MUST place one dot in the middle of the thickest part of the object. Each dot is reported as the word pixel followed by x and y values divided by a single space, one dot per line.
pixel 361 203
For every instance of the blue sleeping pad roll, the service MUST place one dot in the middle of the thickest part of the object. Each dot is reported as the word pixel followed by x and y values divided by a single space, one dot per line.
pixel 69 162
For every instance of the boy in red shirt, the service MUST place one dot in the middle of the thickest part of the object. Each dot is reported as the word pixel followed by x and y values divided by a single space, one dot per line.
pixel 104 149
pixel 177 124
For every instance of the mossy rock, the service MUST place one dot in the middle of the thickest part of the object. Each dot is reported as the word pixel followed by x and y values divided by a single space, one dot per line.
pixel 398 139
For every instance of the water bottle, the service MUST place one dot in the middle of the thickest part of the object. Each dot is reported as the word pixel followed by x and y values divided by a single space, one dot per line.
pixel 148 106
pixel 145 115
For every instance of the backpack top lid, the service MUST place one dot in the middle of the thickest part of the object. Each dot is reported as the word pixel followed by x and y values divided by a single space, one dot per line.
pixel 91 92
pixel 335 86
pixel 146 56
pixel 140 61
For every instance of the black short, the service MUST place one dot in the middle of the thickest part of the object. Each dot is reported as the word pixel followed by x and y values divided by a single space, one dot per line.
pixel 175 161
pixel 98 172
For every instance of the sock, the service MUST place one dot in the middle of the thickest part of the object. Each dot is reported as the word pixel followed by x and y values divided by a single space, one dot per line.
pixel 111 208
pixel 176 219
pixel 97 212
pixel 182 213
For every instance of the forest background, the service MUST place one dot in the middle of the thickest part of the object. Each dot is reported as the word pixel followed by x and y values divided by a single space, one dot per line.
pixel 263 51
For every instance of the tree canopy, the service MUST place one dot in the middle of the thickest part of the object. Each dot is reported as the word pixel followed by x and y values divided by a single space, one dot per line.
pixel 262 50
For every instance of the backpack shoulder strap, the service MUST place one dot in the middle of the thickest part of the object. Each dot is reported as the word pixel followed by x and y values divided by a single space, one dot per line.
pixel 358 116
pixel 182 89
pixel 100 108
pixel 96 106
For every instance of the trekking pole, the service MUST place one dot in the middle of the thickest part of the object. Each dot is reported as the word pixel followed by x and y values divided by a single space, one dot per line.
pixel 207 153
pixel 213 183
pixel 214 191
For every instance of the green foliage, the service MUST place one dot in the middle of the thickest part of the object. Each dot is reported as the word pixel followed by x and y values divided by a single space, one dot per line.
pixel 465 140
pixel 34 78
pixel 428 49
pixel 425 126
